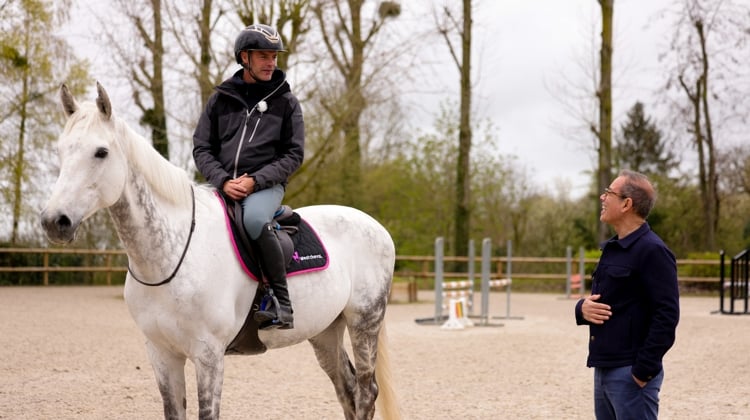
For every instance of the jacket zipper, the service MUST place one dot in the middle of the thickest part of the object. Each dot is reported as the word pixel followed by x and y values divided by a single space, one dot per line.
pixel 249 112
pixel 242 140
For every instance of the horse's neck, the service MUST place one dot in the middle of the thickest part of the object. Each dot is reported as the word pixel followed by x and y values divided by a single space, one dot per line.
pixel 152 229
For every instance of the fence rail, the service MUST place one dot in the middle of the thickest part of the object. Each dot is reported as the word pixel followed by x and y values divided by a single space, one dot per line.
pixel 409 267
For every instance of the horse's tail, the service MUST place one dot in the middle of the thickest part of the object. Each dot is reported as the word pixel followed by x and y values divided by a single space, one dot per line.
pixel 387 403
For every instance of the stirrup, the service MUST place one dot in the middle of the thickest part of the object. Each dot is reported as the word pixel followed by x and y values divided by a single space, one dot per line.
pixel 269 309
pixel 268 316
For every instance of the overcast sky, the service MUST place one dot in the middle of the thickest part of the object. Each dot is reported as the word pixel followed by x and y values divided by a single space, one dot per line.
pixel 522 49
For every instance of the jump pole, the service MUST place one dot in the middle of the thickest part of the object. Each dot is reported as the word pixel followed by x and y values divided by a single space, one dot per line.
pixel 471 275
pixel 487 284
pixel 439 279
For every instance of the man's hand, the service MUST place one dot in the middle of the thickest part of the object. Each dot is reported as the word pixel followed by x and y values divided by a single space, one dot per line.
pixel 639 382
pixel 595 312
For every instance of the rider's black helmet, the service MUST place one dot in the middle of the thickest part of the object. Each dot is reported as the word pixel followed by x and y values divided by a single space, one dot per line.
pixel 257 37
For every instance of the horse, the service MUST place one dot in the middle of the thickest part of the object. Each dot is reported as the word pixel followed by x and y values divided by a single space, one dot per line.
pixel 185 288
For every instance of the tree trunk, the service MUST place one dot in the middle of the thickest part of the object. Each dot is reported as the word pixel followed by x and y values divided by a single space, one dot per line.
pixel 605 106
pixel 711 197
pixel 463 168
pixel 18 167
pixel 205 82
pixel 352 159
pixel 158 121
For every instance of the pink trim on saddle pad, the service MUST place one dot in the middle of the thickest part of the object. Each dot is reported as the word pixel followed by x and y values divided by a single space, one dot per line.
pixel 295 256
pixel 231 239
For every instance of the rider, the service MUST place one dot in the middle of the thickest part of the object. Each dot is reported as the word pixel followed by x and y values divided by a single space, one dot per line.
pixel 248 141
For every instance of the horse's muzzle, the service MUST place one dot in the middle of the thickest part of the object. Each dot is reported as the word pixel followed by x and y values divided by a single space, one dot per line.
pixel 59 227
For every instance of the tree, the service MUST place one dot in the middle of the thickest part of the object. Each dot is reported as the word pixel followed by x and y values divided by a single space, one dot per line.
pixel 705 74
pixel 461 27
pixel 604 94
pixel 142 62
pixel 735 170
pixel 586 96
pixel 349 38
pixel 204 51
pixel 640 146
pixel 31 60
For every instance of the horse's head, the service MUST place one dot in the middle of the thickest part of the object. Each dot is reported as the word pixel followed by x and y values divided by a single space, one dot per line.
pixel 93 167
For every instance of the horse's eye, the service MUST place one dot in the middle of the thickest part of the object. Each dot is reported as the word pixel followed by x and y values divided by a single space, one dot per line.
pixel 101 152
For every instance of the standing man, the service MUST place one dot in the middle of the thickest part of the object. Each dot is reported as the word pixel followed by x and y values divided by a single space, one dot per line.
pixel 249 139
pixel 633 309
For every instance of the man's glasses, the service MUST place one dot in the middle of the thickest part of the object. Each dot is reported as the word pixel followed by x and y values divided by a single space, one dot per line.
pixel 608 191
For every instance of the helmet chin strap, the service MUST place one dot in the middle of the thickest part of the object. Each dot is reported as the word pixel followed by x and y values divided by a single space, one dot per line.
pixel 249 69
pixel 251 73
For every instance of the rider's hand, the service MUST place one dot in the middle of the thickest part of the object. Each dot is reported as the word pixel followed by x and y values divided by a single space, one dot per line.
pixel 236 188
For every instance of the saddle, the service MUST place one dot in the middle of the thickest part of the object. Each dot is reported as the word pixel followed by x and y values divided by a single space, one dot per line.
pixel 303 252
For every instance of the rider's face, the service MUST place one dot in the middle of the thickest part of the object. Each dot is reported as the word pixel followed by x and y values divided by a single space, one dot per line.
pixel 262 64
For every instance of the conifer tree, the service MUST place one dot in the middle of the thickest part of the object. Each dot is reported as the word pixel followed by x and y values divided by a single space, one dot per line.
pixel 640 146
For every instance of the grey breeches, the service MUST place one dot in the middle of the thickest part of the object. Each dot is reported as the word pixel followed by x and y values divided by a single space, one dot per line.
pixel 258 209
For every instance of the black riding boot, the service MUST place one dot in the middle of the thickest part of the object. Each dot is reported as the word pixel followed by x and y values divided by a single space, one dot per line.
pixel 278 310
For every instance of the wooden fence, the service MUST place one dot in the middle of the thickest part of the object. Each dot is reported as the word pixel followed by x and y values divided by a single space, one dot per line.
pixel 418 270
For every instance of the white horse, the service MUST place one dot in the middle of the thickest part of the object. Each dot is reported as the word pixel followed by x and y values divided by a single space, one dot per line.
pixel 105 164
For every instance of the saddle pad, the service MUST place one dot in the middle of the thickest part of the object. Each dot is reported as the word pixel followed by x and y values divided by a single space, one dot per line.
pixel 309 253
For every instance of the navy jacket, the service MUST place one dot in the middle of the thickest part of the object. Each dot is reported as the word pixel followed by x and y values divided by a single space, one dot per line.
pixel 236 134
pixel 637 277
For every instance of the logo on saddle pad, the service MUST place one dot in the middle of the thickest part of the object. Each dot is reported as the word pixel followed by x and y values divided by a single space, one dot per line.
pixel 296 257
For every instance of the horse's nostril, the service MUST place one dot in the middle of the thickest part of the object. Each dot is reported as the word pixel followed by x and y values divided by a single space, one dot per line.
pixel 63 221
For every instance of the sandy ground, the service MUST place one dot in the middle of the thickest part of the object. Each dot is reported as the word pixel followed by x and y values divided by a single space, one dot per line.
pixel 75 353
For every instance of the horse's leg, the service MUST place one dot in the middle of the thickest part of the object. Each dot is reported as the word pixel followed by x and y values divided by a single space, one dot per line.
pixel 364 328
pixel 169 370
pixel 209 372
pixel 332 357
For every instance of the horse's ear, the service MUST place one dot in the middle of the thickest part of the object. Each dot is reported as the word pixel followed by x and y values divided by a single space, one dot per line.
pixel 68 102
pixel 102 101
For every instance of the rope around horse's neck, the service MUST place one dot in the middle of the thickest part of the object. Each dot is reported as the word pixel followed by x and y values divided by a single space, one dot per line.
pixel 184 251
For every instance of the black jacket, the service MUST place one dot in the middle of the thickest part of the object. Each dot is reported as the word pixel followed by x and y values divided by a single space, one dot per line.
pixel 637 277
pixel 236 134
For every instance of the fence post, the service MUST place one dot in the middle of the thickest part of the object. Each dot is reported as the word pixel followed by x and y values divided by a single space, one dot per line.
pixel 568 271
pixel 45 277
pixel 509 276
pixel 109 269
pixel 582 270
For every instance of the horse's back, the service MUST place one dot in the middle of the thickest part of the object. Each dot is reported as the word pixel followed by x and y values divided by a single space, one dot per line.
pixel 346 231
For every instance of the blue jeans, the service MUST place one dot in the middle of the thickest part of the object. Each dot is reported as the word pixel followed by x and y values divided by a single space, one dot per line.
pixel 618 397
pixel 259 207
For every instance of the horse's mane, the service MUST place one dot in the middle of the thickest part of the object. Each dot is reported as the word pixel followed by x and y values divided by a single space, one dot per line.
pixel 167 179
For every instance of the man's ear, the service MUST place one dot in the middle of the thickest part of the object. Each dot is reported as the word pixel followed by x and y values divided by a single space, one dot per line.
pixel 245 57
pixel 627 203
